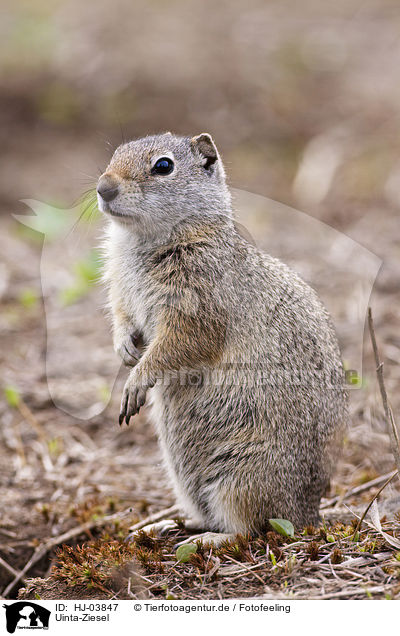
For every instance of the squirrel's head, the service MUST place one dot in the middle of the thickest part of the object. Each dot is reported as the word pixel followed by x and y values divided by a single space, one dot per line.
pixel 153 183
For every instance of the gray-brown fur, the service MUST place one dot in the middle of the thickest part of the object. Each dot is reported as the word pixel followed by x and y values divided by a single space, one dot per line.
pixel 240 362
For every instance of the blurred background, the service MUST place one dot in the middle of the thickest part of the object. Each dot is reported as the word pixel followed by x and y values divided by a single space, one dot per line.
pixel 302 99
pixel 276 83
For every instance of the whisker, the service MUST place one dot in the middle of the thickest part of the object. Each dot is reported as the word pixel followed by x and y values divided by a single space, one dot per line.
pixel 105 140
pixel 91 176
pixel 121 130
pixel 88 200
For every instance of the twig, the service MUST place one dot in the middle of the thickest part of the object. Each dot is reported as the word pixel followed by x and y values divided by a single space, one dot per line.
pixel 391 424
pixel 8 533
pixel 357 490
pixel 36 556
pixel 8 567
pixel 372 501
pixel 355 592
pixel 19 444
pixel 40 434
pixel 247 568
pixel 157 516
pixel 29 417
pixel 129 593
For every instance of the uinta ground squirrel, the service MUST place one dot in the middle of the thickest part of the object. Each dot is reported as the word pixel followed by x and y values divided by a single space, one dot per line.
pixel 234 352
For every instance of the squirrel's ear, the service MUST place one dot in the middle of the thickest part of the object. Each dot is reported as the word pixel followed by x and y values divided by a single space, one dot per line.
pixel 205 146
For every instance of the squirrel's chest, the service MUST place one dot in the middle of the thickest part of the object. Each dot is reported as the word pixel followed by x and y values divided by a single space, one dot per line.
pixel 139 294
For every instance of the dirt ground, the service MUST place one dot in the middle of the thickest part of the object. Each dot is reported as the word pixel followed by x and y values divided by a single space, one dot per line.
pixel 304 110
pixel 61 468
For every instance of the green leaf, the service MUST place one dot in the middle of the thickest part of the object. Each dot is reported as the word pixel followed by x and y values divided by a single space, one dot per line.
pixel 169 596
pixel 356 536
pixel 184 552
pixel 12 396
pixel 54 446
pixel 282 526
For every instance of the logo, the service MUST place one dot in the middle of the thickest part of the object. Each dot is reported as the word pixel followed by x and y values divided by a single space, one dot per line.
pixel 26 615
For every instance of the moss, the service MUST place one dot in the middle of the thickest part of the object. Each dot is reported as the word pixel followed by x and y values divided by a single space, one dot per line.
pixel 313 551
pixel 337 556
pixel 92 563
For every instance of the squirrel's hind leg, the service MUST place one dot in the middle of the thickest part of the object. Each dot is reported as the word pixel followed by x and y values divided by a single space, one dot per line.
pixel 160 528
pixel 163 527
pixel 211 538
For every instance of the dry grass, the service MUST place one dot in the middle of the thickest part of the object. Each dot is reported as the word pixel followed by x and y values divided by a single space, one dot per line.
pixel 279 88
pixel 320 563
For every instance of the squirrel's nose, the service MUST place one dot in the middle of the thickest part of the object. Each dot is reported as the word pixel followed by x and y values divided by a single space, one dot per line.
pixel 107 187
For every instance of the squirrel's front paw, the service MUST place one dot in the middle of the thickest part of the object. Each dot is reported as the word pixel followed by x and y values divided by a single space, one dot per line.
pixel 134 396
pixel 127 349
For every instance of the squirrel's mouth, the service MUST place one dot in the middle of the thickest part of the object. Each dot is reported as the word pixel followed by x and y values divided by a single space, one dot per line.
pixel 102 204
pixel 113 213
pixel 105 207
pixel 108 210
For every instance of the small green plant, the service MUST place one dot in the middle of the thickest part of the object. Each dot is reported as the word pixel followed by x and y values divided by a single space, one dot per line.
pixel 28 298
pixel 185 551
pixel 283 527
pixel 169 596
pixel 356 537
pixel 86 274
pixel 55 446
pixel 12 396
pixel 309 531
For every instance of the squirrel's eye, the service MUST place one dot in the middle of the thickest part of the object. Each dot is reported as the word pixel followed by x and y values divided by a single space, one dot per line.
pixel 164 165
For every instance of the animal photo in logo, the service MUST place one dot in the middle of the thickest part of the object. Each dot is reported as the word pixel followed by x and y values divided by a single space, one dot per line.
pixel 26 615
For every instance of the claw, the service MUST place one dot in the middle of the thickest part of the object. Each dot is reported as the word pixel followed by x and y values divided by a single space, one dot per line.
pixel 131 406
pixel 137 339
pixel 128 351
pixel 131 358
pixel 124 403
pixel 141 398
pixel 132 400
